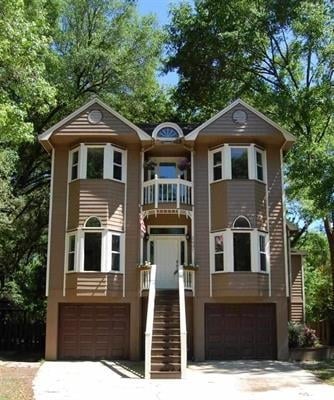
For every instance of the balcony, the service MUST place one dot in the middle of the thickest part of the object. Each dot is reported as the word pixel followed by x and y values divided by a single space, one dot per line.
pixel 167 193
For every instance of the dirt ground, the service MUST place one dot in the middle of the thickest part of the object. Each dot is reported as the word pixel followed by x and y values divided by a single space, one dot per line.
pixel 16 380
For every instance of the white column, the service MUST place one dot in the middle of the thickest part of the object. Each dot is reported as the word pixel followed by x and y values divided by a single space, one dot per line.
pixel 108 162
pixel 83 161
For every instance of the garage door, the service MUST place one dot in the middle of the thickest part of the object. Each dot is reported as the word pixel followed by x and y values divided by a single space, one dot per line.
pixel 240 331
pixel 93 331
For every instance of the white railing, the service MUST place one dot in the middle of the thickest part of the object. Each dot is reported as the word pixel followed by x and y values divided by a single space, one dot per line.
pixel 149 321
pixel 189 279
pixel 145 275
pixel 183 323
pixel 161 190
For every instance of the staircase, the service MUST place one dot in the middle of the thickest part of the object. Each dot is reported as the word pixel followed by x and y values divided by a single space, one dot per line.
pixel 166 345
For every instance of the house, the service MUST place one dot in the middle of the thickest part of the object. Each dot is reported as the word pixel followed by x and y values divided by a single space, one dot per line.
pixel 168 241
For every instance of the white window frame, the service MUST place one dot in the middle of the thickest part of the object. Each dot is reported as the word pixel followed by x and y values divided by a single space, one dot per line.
pixel 70 164
pixel 67 251
pixel 266 251
pixel 220 252
pixel 108 161
pixel 110 252
pixel 227 162
pixel 229 250
pixel 264 163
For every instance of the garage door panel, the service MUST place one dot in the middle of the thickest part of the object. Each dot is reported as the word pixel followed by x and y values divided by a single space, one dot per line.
pixel 93 331
pixel 240 331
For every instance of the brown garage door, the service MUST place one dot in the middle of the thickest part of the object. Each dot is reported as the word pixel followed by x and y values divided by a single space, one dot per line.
pixel 240 331
pixel 93 331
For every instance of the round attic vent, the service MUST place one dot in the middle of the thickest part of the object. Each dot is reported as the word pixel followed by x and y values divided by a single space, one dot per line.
pixel 239 117
pixel 95 116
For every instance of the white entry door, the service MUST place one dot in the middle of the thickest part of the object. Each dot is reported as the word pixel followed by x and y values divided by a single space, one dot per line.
pixel 166 259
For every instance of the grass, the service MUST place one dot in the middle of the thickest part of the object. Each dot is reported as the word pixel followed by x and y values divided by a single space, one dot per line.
pixel 324 370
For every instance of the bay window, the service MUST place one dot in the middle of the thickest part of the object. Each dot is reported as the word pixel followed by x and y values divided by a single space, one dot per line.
pixel 239 250
pixel 97 162
pixel 237 162
pixel 95 249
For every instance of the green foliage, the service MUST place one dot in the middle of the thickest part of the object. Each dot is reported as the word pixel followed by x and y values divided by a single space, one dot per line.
pixel 317 276
pixel 301 336
pixel 54 55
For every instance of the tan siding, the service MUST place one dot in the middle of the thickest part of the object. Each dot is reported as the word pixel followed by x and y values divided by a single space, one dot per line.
pixel 276 222
pixel 218 205
pixel 57 238
pixel 232 198
pixel 297 290
pixel 296 277
pixel 225 126
pixel 201 219
pixel 132 239
pixel 73 205
pixel 239 284
pixel 102 198
pixel 109 124
pixel 94 284
pixel 297 312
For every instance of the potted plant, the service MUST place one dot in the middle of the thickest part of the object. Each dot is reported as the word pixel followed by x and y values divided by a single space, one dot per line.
pixel 145 265
pixel 184 164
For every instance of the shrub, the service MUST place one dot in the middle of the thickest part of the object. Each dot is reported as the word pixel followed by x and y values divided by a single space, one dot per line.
pixel 301 336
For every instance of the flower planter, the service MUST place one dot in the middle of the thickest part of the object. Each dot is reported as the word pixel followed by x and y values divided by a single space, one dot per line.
pixel 312 353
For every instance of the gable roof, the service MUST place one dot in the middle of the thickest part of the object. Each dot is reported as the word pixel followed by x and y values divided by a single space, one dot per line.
pixel 287 135
pixel 45 136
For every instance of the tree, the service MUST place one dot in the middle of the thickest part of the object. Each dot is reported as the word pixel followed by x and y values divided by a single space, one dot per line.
pixel 280 56
pixel 54 55
pixel 316 276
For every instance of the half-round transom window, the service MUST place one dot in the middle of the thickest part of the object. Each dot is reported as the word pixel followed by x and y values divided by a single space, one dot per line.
pixel 93 222
pixel 241 222
pixel 168 131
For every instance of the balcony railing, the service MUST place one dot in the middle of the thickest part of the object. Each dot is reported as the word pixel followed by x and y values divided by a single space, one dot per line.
pixel 160 190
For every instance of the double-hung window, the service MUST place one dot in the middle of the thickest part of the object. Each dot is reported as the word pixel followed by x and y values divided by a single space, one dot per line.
pixel 259 156
pixel 217 165
pixel 115 252
pixel 263 253
pixel 71 253
pixel 219 252
pixel 74 164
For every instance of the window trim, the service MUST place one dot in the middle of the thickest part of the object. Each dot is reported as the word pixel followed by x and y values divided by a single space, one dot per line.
pixel 108 161
pixel 106 248
pixel 226 166
pixel 67 251
pixel 229 250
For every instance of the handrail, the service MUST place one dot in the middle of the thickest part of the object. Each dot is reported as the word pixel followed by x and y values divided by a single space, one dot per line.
pixel 149 322
pixel 161 190
pixel 183 323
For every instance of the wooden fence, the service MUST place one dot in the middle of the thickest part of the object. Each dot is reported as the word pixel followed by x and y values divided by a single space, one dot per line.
pixel 322 330
pixel 21 331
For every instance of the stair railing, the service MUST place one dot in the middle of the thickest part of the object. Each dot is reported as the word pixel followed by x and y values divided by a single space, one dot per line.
pixel 183 323
pixel 149 322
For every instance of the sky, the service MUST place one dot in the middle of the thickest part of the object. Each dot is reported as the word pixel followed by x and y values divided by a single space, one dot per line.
pixel 160 9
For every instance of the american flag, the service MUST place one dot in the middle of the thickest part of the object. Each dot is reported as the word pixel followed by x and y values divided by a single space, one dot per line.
pixel 142 225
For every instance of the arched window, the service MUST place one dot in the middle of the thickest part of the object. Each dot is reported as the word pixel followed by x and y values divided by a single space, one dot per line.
pixel 167 131
pixel 241 222
pixel 93 222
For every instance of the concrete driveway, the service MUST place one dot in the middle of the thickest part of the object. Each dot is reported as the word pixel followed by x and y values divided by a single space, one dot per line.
pixel 240 380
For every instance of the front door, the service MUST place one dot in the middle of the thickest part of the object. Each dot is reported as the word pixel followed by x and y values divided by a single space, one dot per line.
pixel 166 256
